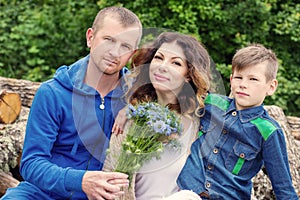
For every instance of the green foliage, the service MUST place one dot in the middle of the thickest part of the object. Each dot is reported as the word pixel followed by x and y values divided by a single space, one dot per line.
pixel 38 36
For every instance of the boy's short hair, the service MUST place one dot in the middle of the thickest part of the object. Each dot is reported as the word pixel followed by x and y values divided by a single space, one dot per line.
pixel 125 16
pixel 254 54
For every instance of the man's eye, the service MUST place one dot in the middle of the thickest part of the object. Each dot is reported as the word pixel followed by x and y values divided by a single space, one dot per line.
pixel 108 39
pixel 126 47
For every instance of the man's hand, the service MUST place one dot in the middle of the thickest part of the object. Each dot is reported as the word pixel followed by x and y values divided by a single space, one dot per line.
pixel 99 185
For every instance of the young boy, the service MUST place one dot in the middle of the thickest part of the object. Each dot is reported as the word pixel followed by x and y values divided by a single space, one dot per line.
pixel 237 136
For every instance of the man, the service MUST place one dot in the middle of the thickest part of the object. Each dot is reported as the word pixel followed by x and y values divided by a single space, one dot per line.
pixel 72 115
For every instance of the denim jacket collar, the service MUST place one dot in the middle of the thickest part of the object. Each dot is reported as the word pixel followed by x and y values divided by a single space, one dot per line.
pixel 248 114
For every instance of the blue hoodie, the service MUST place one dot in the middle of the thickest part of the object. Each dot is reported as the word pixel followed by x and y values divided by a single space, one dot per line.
pixel 67 132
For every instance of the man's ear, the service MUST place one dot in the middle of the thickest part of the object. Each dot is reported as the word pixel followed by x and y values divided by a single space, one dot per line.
pixel 89 37
pixel 273 87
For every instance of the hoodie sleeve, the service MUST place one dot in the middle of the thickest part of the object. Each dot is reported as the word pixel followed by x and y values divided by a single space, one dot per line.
pixel 41 132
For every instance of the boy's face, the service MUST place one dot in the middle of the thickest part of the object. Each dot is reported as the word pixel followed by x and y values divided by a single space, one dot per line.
pixel 249 86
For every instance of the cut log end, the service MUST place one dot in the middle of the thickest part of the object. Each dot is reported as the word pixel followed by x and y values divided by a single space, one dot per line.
pixel 10 106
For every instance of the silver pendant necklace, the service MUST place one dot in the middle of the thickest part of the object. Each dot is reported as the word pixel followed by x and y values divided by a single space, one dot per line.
pixel 102 104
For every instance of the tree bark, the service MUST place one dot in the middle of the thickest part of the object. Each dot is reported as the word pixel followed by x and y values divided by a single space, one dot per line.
pixel 7 181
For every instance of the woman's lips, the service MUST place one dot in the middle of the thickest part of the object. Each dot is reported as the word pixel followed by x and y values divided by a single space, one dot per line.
pixel 160 77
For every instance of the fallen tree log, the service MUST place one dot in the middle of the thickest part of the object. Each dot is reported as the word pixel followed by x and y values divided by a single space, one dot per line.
pixel 10 106
pixel 11 141
pixel 25 88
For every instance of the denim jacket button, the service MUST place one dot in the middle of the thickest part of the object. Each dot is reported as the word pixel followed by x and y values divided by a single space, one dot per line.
pixel 216 150
pixel 233 113
pixel 224 131
pixel 209 167
pixel 242 155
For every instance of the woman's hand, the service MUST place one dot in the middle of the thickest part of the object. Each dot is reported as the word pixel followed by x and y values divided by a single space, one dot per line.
pixel 121 119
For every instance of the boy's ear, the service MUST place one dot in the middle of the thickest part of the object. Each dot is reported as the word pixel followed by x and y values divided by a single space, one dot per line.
pixel 273 87
pixel 230 78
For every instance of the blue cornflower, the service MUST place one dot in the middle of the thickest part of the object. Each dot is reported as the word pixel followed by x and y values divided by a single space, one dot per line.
pixel 159 126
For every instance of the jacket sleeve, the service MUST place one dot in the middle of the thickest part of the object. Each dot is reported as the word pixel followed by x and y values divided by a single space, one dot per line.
pixel 192 175
pixel 41 133
pixel 277 166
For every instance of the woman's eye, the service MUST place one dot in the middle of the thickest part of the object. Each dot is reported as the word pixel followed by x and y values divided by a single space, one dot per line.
pixel 177 63
pixel 157 57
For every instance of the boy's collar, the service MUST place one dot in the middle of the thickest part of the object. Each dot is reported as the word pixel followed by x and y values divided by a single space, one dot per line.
pixel 245 115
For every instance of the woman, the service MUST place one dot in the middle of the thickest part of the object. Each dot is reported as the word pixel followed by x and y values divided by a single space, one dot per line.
pixel 174 71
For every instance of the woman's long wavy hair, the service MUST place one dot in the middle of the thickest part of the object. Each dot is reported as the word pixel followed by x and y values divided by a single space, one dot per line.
pixel 191 98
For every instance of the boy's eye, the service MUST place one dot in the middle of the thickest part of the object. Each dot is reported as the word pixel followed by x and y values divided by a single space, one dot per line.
pixel 237 77
pixel 253 79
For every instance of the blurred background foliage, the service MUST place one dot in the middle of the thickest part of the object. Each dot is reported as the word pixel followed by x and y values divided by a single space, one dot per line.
pixel 38 36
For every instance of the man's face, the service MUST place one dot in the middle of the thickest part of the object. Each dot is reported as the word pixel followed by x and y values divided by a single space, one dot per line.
pixel 112 46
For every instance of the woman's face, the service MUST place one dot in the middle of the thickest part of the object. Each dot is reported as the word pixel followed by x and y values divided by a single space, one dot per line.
pixel 168 69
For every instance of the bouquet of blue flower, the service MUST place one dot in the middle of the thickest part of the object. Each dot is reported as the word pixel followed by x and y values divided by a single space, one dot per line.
pixel 153 127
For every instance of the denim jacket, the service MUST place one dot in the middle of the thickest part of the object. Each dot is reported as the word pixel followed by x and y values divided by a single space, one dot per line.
pixel 232 147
